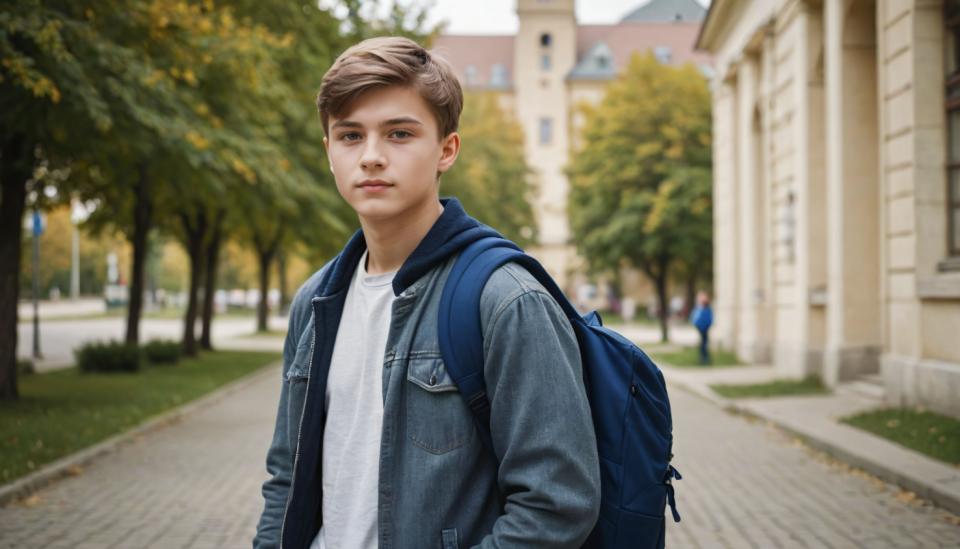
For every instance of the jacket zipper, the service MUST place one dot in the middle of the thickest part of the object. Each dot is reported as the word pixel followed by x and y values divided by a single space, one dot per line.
pixel 296 456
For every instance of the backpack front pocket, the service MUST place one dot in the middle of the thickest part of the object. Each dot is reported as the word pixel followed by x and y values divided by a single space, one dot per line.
pixel 437 417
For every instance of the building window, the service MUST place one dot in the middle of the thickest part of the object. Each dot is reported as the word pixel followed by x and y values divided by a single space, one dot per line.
pixel 546 131
pixel 545 61
pixel 663 54
pixel 546 40
pixel 470 74
pixel 952 78
pixel 498 75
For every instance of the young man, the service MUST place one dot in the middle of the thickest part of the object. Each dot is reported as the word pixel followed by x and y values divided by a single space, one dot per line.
pixel 374 446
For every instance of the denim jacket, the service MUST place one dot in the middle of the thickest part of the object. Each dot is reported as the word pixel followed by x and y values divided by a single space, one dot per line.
pixel 439 486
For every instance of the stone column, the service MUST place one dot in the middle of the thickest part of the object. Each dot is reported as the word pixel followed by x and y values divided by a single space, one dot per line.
pixel 749 197
pixel 725 215
pixel 853 237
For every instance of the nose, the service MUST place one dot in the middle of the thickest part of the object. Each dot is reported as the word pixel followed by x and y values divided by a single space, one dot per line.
pixel 373 157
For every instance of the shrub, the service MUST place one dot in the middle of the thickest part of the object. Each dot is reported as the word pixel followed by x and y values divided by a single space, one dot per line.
pixel 162 351
pixel 112 356
pixel 25 367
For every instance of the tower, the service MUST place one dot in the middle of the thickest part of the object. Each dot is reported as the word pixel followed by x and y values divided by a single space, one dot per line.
pixel 544 53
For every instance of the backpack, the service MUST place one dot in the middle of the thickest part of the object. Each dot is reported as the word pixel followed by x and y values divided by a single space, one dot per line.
pixel 627 394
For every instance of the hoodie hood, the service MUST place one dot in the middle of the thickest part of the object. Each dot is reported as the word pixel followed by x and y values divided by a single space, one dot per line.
pixel 453 231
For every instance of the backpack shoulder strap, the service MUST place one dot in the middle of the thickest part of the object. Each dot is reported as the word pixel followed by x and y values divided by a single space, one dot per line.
pixel 459 332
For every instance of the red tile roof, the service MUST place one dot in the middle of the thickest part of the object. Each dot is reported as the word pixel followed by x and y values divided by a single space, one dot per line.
pixel 484 51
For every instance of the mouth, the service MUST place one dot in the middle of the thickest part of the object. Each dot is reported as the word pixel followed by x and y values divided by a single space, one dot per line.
pixel 374 185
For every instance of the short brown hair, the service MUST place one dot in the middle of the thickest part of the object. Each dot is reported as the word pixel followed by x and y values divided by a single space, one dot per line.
pixel 391 61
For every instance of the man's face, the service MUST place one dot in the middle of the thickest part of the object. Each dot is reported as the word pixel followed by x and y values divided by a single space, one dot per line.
pixel 385 154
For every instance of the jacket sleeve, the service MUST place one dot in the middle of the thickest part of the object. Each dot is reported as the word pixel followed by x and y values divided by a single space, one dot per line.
pixel 541 426
pixel 280 454
pixel 279 463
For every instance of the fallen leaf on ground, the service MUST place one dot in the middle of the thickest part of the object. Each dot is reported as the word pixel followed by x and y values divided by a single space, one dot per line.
pixel 32 501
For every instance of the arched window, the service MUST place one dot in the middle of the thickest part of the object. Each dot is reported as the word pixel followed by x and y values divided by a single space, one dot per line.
pixel 546 40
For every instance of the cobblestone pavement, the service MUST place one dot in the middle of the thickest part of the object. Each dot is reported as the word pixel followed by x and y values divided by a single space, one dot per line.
pixel 196 485
pixel 748 484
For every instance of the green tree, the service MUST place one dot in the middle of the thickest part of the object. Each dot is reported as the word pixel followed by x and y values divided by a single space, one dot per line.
pixel 640 186
pixel 491 176
pixel 51 102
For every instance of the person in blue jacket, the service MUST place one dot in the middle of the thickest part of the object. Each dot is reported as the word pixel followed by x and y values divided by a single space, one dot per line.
pixel 702 318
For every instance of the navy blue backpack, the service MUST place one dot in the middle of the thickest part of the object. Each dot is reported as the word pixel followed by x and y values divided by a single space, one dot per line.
pixel 627 394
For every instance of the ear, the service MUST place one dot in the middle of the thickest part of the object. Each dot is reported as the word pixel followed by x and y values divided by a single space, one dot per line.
pixel 449 149
pixel 326 147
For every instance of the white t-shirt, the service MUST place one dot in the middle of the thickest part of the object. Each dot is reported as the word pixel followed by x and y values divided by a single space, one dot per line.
pixel 351 440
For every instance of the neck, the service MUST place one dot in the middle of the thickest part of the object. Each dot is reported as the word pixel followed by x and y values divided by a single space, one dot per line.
pixel 391 241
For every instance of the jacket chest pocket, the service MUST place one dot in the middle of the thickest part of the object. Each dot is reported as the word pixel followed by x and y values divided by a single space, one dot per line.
pixel 437 417
pixel 296 378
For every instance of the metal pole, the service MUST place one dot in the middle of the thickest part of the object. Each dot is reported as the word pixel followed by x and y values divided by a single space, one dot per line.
pixel 36 284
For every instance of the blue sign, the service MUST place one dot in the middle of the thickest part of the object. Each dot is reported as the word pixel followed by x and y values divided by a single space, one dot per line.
pixel 37 223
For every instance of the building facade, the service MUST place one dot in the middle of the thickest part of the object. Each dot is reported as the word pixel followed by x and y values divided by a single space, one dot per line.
pixel 546 70
pixel 837 190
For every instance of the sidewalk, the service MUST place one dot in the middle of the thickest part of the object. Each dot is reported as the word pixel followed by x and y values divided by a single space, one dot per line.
pixel 815 419
pixel 193 482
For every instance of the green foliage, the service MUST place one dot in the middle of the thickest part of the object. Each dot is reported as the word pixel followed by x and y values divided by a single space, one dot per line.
pixel 491 176
pixel 933 434
pixel 109 356
pixel 640 187
pixel 65 411
pixel 162 351
pixel 811 385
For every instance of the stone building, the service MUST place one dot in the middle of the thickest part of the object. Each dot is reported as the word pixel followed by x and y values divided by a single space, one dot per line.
pixel 549 67
pixel 837 190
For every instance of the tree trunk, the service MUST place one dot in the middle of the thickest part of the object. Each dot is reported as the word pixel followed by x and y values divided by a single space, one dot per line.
pixel 210 284
pixel 282 274
pixel 195 237
pixel 659 275
pixel 660 282
pixel 142 220
pixel 15 168
pixel 690 301
pixel 263 307
pixel 266 252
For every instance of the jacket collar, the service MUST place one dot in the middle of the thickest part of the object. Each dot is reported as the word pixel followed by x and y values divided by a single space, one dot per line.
pixel 453 231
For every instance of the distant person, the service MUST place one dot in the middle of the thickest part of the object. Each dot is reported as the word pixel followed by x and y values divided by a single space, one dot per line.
pixel 702 318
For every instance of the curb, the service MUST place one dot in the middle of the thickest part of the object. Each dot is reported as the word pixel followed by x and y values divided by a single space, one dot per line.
pixel 48 474
pixel 935 493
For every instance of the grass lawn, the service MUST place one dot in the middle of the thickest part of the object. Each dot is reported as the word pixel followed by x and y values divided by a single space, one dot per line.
pixel 613 319
pixel 808 386
pixel 690 356
pixel 932 434
pixel 64 411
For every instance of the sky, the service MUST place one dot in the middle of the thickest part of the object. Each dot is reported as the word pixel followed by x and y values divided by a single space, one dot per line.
pixel 500 16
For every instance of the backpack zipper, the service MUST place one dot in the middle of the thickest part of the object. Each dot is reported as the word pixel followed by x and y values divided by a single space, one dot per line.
pixel 296 456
